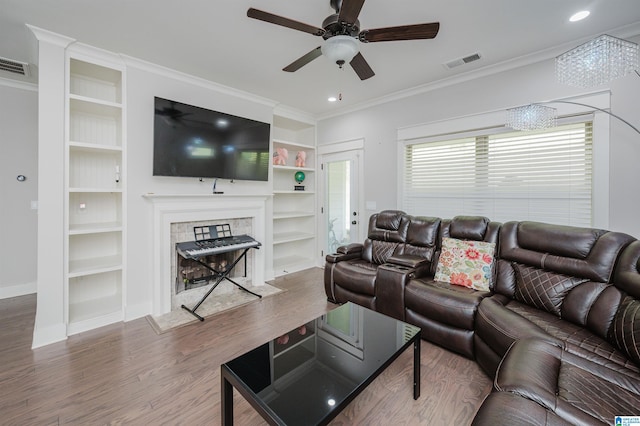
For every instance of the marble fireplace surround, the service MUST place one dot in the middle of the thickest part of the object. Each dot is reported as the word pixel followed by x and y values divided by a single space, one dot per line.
pixel 178 208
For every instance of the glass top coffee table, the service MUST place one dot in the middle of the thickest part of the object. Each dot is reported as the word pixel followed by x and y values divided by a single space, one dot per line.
pixel 309 375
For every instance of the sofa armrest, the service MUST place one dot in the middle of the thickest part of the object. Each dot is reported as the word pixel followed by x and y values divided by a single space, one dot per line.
pixel 391 279
pixel 351 251
pixel 350 248
pixel 408 260
pixel 419 265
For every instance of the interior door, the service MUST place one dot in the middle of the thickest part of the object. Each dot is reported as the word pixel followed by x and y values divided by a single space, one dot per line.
pixel 341 213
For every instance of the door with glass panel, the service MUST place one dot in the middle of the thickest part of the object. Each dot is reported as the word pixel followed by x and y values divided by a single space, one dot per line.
pixel 341 203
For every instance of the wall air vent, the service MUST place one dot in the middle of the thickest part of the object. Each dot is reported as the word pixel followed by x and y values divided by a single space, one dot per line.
pixel 462 61
pixel 15 67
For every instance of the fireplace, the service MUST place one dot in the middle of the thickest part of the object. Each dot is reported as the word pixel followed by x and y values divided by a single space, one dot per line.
pixel 173 219
pixel 192 278
pixel 192 274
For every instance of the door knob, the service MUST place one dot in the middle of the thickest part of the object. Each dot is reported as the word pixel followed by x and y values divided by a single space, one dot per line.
pixel 353 222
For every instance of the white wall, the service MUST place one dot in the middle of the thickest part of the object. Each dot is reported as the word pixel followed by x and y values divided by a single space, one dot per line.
pixel 532 83
pixel 624 202
pixel 143 83
pixel 18 156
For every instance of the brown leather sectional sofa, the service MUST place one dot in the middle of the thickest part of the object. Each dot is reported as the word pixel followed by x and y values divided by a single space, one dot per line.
pixel 558 330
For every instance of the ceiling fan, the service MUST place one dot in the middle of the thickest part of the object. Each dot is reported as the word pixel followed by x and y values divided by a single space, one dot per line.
pixel 341 32
pixel 171 111
pixel 172 115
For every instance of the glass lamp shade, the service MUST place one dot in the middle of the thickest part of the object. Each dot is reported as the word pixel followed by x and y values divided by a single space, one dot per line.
pixel 340 49
pixel 531 117
pixel 597 62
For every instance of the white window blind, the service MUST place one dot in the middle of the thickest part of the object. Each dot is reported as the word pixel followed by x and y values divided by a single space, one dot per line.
pixel 542 175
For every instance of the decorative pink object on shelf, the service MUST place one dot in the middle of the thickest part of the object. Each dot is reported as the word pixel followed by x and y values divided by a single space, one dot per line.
pixel 283 340
pixel 301 159
pixel 280 157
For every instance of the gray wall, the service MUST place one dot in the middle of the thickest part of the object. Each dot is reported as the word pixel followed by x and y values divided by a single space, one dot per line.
pixel 18 156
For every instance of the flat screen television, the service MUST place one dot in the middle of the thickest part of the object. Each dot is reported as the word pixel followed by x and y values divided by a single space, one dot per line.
pixel 191 141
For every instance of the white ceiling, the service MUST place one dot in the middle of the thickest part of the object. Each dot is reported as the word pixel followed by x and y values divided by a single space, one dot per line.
pixel 215 40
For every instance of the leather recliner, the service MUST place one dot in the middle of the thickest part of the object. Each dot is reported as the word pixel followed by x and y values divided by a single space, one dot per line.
pixel 551 383
pixel 552 284
pixel 446 312
pixel 396 242
pixel 350 274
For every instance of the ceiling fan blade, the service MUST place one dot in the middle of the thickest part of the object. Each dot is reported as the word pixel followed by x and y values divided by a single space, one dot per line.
pixel 361 67
pixel 350 10
pixel 302 61
pixel 285 22
pixel 405 32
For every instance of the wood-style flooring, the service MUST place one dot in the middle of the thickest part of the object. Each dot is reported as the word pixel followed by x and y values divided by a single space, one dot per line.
pixel 127 374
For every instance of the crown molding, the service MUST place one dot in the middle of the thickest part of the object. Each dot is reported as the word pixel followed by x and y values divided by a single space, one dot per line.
pixel 294 114
pixel 50 37
pixel 17 84
pixel 95 54
pixel 197 81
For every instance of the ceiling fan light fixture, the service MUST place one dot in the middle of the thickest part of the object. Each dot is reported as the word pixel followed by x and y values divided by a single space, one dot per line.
pixel 340 49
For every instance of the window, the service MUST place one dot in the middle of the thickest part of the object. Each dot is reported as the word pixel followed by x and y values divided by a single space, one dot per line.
pixel 541 175
pixel 344 328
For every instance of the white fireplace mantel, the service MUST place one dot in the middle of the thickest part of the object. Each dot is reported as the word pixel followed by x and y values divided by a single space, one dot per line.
pixel 177 208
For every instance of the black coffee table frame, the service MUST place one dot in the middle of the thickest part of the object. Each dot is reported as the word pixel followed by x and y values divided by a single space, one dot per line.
pixel 230 380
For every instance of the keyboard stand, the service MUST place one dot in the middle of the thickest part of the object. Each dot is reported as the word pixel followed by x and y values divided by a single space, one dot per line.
pixel 220 275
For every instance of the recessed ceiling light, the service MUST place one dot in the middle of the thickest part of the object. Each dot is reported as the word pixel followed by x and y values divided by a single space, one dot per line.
pixel 579 16
pixel 332 99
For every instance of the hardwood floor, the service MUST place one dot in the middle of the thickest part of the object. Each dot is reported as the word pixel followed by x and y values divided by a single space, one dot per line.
pixel 127 374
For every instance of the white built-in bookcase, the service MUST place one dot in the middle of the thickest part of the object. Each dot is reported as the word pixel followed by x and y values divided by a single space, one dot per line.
pixel 294 212
pixel 95 183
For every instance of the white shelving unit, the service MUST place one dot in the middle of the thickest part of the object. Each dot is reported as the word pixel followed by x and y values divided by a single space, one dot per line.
pixel 95 193
pixel 294 211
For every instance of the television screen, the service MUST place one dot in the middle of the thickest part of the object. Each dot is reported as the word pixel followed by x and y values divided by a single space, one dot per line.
pixel 196 142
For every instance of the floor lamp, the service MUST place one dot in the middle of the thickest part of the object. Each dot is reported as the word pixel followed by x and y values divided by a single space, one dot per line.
pixel 596 62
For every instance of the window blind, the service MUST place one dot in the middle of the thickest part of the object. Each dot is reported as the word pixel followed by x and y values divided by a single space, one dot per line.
pixel 543 175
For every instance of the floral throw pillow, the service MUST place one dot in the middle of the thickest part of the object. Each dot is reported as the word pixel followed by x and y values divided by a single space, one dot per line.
pixel 466 263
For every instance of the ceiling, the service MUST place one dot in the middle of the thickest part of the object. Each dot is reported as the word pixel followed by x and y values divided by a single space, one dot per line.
pixel 215 40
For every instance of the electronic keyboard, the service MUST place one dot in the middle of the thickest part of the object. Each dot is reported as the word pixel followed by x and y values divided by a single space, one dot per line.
pixel 196 249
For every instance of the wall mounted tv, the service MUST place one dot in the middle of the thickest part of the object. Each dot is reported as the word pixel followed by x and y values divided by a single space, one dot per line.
pixel 196 142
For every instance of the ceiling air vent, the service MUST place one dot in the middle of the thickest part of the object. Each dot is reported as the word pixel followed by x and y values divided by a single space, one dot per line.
pixel 462 61
pixel 15 67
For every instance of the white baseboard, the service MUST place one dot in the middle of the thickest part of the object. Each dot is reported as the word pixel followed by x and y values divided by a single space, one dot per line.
pixel 15 290
pixel 139 310
pixel 47 335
